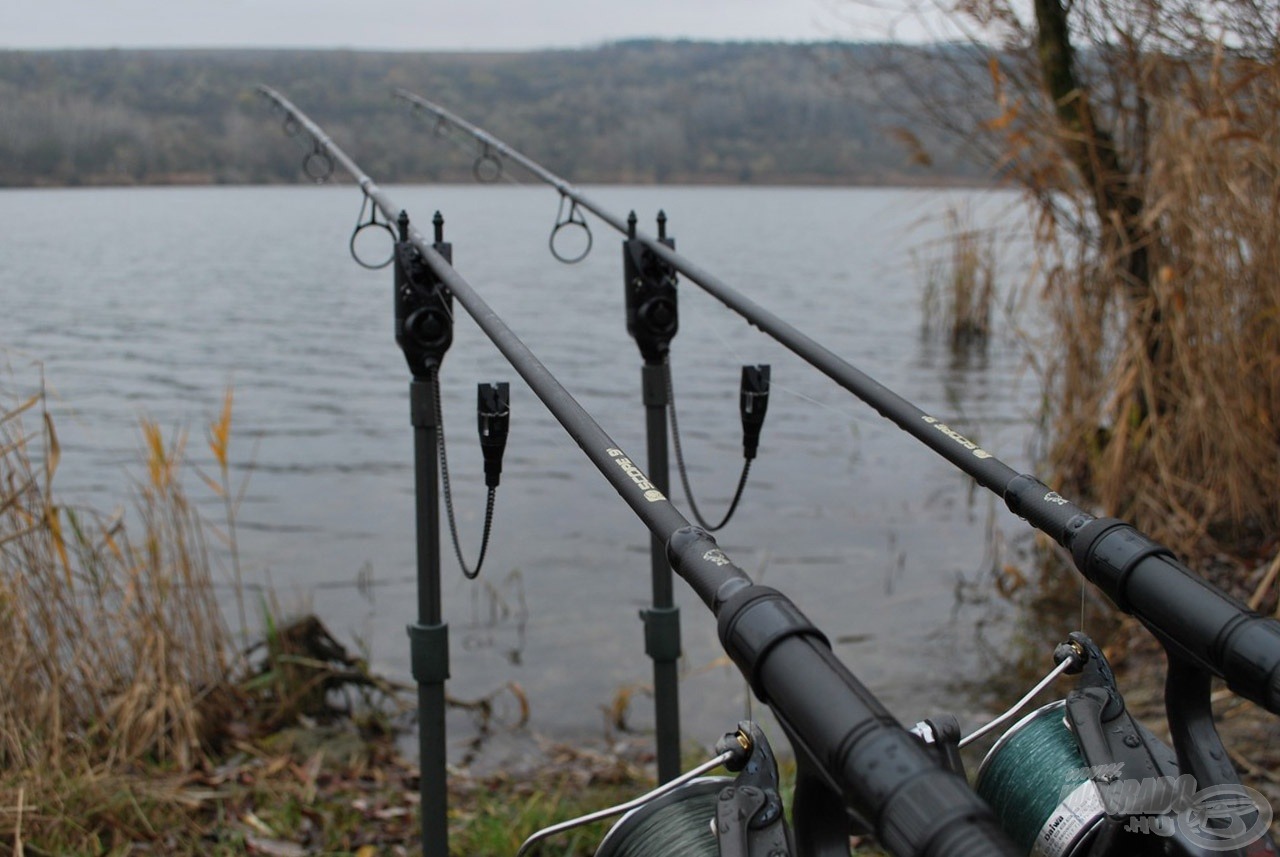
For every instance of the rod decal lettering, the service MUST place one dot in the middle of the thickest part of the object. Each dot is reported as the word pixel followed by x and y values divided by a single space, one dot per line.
pixel 978 452
pixel 652 494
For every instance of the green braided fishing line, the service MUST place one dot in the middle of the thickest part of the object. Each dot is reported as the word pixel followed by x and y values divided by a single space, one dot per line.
pixel 1027 773
pixel 681 827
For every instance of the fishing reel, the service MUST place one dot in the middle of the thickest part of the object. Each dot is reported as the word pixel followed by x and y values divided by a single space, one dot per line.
pixel 1081 777
pixel 700 816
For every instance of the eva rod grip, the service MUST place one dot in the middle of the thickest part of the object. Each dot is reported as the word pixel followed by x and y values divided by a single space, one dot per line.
pixel 917 807
pixel 1191 616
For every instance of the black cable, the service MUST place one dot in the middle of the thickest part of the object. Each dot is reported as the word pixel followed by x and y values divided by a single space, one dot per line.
pixel 467 572
pixel 684 475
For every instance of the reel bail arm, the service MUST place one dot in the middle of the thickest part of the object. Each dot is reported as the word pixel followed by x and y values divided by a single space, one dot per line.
pixel 749 819
pixel 1110 739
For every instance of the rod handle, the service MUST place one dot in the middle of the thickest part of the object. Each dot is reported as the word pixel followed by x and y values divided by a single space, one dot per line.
pixel 917 807
pixel 1188 614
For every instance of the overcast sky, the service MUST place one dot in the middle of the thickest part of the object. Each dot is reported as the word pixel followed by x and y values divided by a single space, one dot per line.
pixel 436 24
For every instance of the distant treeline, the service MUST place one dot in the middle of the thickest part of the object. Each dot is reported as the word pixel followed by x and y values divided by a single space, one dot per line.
pixel 646 111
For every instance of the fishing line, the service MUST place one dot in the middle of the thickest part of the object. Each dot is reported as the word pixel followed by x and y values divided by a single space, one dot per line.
pixel 467 571
pixel 677 825
pixel 1036 780
pixel 851 415
pixel 1083 593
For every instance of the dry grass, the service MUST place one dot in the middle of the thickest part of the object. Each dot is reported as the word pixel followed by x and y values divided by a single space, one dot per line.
pixel 1145 137
pixel 960 292
pixel 126 725
pixel 1200 467
pixel 113 643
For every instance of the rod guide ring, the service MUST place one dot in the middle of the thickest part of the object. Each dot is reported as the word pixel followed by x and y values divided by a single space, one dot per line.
pixel 573 218
pixel 318 165
pixel 361 225
pixel 488 168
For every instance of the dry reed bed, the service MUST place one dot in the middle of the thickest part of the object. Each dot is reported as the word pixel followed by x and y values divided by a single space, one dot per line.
pixel 114 648
pixel 1201 467
pixel 1157 176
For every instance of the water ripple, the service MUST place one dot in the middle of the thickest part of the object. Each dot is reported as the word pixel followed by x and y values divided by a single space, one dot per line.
pixel 159 320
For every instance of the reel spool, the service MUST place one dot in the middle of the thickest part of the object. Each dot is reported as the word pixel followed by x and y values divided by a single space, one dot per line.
pixel 1035 779
pixel 692 813
pixel 676 823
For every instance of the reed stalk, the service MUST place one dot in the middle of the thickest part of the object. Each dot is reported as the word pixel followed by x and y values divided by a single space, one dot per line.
pixel 1145 140
pixel 1199 465
pixel 960 291
pixel 113 642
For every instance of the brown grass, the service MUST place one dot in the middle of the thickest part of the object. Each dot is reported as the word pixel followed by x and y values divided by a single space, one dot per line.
pixel 960 291
pixel 113 643
pixel 1145 138
pixel 1200 468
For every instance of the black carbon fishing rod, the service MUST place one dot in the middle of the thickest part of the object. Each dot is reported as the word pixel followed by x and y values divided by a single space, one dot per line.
pixel 874 766
pixel 652 319
pixel 1195 621
pixel 492 148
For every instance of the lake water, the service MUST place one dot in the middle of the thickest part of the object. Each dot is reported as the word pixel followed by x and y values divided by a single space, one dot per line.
pixel 150 302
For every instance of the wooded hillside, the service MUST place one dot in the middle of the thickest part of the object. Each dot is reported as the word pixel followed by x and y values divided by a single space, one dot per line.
pixel 630 112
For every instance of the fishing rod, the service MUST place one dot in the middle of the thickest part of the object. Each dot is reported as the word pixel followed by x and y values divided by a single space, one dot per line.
pixel 652 319
pixel 840 731
pixel 1198 624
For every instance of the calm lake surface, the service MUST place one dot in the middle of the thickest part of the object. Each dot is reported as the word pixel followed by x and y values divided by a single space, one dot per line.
pixel 150 302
